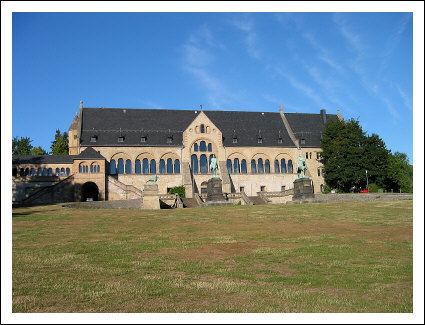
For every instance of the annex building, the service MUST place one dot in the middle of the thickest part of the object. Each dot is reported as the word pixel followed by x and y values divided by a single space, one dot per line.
pixel 114 151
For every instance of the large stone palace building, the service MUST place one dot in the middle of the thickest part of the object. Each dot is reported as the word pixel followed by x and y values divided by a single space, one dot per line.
pixel 114 151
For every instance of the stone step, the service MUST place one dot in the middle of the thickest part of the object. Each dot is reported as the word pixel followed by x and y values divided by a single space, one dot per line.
pixel 257 200
pixel 190 203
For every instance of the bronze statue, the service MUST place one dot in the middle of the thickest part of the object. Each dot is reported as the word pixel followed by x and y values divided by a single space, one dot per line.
pixel 213 166
pixel 301 167
pixel 152 179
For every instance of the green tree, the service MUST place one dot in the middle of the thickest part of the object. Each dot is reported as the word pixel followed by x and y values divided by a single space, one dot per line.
pixel 343 145
pixel 399 173
pixel 60 143
pixel 38 151
pixel 375 159
pixel 21 146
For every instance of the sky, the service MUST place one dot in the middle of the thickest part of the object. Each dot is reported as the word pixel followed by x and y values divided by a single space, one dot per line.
pixel 360 63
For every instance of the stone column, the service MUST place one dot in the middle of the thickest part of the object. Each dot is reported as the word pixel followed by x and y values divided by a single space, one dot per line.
pixel 150 196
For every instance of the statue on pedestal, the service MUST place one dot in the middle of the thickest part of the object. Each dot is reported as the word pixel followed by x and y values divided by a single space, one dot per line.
pixel 213 166
pixel 301 167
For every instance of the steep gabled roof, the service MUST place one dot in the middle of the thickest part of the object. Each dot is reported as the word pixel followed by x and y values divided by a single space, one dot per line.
pixel 89 153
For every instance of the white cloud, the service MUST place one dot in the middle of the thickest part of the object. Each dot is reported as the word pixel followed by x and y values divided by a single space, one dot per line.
pixel 251 39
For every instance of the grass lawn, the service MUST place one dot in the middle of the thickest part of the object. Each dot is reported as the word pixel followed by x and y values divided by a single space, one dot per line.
pixel 311 258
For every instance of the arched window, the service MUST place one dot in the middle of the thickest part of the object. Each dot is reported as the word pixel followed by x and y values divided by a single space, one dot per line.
pixel 267 166
pixel 202 146
pixel 27 172
pixel 50 172
pixel 162 166
pixel 152 166
pixel 32 172
pixel 137 167
pixel 22 172
pixel 145 166
pixel 194 164
pixel 120 168
pixel 169 166
pixel 177 166
pixel 283 166
pixel 39 172
pixel 202 128
pixel 243 166
pixel 260 166
pixel 229 166
pixel 68 171
pixel 290 168
pixel 276 167
pixel 209 147
pixel 195 147
pixel 113 167
pixel 236 168
pixel 253 166
pixel 14 171
pixel 128 166
pixel 203 164
pixel 44 171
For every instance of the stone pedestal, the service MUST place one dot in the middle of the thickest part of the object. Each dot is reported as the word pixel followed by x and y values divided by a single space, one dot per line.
pixel 150 196
pixel 303 189
pixel 215 194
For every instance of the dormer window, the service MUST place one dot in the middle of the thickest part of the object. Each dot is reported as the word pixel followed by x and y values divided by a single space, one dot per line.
pixel 170 139
pixel 235 140
pixel 260 140
pixel 302 141
pixel 93 138
pixel 121 139
pixel 280 141
pixel 143 139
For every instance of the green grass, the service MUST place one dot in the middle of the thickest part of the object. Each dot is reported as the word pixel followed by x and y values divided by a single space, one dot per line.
pixel 336 257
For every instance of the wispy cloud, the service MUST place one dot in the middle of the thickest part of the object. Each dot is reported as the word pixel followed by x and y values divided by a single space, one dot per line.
pixel 407 100
pixel 350 37
pixel 198 57
pixel 246 25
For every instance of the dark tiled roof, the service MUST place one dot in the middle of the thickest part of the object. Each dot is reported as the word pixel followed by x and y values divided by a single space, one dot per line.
pixel 106 125
pixel 89 153
pixel 308 126
pixel 249 126
pixel 45 159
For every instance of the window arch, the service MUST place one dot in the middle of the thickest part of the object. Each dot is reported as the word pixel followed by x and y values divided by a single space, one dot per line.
pixel 113 167
pixel 27 172
pixel 169 166
pixel 162 166
pixel 290 168
pixel 177 166
pixel 120 168
pixel 145 166
pixel 202 128
pixel 267 166
pixel 209 147
pixel 68 171
pixel 194 164
pixel 152 166
pixel 203 164
pixel 128 166
pixel 44 171
pixel 283 165
pixel 22 172
pixel 195 147
pixel 137 167
pixel 236 167
pixel 260 166
pixel 253 166
pixel 202 146
pixel 50 172
pixel 32 172
pixel 229 166
pixel 243 166
pixel 276 166
pixel 39 171
pixel 14 171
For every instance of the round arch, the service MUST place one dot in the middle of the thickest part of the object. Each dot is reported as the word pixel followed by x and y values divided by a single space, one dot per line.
pixel 89 192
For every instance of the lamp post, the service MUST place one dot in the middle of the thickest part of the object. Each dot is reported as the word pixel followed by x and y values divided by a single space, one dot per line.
pixel 367 181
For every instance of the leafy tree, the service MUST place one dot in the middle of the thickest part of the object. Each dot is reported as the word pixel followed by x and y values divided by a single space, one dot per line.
pixel 38 151
pixel 375 159
pixel 399 173
pixel 60 143
pixel 180 190
pixel 21 146
pixel 343 147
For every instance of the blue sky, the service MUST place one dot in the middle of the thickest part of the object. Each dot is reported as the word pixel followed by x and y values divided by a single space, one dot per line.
pixel 360 63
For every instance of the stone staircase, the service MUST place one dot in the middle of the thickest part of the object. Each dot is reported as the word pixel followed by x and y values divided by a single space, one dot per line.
pixel 130 192
pixel 62 191
pixel 257 200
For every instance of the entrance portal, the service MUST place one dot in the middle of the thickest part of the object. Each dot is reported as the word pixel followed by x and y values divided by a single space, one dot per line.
pixel 89 192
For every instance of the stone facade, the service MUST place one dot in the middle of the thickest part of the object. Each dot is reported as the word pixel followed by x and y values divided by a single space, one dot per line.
pixel 92 178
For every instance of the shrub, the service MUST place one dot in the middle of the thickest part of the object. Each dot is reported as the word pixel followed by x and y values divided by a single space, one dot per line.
pixel 180 190
pixel 373 188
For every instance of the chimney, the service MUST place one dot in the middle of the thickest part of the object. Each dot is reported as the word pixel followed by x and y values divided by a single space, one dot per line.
pixel 281 109
pixel 323 114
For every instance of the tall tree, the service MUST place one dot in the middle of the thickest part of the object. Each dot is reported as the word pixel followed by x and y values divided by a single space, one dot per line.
pixel 399 173
pixel 21 146
pixel 38 151
pixel 60 143
pixel 375 159
pixel 343 145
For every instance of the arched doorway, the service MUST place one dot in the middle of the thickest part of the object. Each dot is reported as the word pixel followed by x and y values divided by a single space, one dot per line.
pixel 89 192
